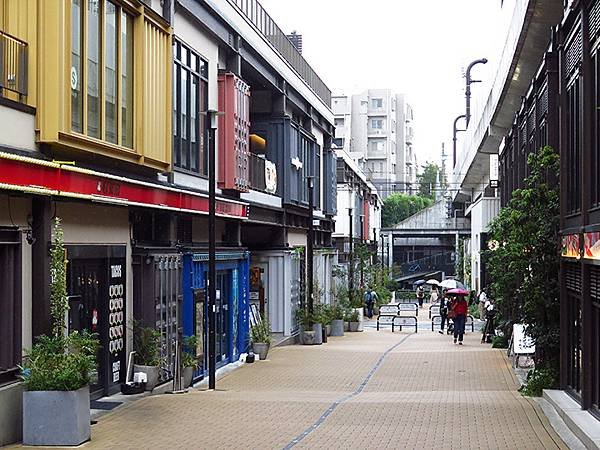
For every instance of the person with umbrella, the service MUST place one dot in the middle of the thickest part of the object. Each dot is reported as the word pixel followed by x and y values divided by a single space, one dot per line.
pixel 420 295
pixel 444 302
pixel 460 308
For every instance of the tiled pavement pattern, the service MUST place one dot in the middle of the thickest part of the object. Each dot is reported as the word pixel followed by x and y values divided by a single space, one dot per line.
pixel 426 393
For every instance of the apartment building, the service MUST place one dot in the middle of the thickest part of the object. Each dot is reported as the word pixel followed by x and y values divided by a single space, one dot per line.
pixel 375 128
pixel 107 116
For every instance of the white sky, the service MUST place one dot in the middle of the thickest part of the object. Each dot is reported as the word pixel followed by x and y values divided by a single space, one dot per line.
pixel 417 47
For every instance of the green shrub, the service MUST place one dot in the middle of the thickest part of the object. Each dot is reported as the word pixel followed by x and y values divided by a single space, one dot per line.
pixel 351 316
pixel 474 310
pixel 538 380
pixel 49 367
pixel 499 342
pixel 261 332
pixel 188 355
pixel 146 342
pixel 337 313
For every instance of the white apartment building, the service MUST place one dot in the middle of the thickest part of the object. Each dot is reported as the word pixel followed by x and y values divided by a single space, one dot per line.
pixel 375 128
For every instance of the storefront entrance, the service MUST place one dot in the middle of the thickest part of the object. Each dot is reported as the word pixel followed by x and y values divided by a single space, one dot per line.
pixel 96 289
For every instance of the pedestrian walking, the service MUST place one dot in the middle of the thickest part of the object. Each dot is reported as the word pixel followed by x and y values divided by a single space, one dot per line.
pixel 434 296
pixel 482 299
pixel 460 309
pixel 369 301
pixel 420 295
pixel 443 311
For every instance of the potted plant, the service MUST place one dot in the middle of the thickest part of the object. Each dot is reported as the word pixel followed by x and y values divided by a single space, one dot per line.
pixel 337 321
pixel 310 333
pixel 353 320
pixel 146 342
pixel 56 370
pixel 321 315
pixel 189 360
pixel 260 335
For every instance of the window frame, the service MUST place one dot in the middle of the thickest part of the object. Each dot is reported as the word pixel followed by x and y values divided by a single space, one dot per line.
pixel 121 7
pixel 203 76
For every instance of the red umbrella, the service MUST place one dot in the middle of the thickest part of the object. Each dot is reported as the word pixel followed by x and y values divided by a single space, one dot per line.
pixel 458 292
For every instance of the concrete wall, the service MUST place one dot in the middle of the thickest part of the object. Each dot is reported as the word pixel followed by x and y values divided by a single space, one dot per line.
pixel 11 413
pixel 482 212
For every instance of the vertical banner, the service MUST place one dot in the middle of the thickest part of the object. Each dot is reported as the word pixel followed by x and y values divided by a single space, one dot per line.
pixel 116 321
pixel 494 172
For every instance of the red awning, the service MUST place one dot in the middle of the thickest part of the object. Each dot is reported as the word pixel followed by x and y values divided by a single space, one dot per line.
pixel 49 178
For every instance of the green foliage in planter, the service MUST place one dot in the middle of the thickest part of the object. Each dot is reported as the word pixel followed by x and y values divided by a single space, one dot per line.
pixel 538 380
pixel 303 318
pixel 60 363
pixel 351 316
pixel 337 312
pixel 146 343
pixel 499 342
pixel 525 262
pixel 474 310
pixel 261 332
pixel 322 314
pixel 188 355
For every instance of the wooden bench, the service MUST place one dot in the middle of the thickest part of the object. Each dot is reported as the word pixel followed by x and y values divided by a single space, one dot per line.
pixel 412 308
pixel 437 320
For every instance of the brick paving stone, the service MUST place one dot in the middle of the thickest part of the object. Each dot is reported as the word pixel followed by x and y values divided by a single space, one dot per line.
pixel 426 393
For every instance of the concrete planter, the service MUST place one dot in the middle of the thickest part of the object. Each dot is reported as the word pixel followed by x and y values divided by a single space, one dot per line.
pixel 151 372
pixel 56 417
pixel 337 327
pixel 346 326
pixel 354 326
pixel 188 376
pixel 361 318
pixel 261 349
pixel 318 330
pixel 328 328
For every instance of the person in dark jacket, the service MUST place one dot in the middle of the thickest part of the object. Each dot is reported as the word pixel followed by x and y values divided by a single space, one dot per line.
pixel 444 301
pixel 460 308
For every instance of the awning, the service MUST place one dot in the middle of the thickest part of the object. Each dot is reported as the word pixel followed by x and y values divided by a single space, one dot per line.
pixel 25 174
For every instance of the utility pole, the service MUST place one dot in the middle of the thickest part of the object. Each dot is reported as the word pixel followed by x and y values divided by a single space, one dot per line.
pixel 454 131
pixel 469 81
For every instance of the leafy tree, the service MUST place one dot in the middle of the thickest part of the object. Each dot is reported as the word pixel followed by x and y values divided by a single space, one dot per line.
pixel 428 179
pixel 524 262
pixel 399 206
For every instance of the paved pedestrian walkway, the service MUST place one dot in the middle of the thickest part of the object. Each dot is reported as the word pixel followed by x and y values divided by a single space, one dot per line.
pixel 370 390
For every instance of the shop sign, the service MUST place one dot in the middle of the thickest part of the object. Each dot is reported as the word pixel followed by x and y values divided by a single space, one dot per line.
pixel 570 246
pixel 116 321
pixel 591 245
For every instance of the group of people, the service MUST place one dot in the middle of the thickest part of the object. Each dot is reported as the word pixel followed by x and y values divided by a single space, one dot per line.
pixel 455 308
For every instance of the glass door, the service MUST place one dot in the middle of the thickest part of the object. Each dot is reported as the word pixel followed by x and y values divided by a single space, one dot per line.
pixel 222 316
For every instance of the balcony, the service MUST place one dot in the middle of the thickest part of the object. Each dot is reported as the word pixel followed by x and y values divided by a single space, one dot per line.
pixel 263 174
pixel 13 68
pixel 254 11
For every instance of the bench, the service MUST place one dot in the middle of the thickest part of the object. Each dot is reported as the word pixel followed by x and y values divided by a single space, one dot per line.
pixel 408 307
pixel 405 321
pixel 387 313
pixel 520 344
pixel 434 310
pixel 437 320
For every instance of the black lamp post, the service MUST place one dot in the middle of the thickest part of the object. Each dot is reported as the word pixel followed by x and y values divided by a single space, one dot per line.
pixel 212 270
pixel 469 80
pixel 309 245
pixel 454 131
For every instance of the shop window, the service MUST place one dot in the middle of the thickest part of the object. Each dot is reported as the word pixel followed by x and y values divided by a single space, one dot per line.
pixel 190 103
pixel 10 305
pixel 102 30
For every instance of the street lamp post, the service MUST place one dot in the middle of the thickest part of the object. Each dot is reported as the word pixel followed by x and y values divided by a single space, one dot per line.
pixel 454 131
pixel 309 246
pixel 469 81
pixel 212 270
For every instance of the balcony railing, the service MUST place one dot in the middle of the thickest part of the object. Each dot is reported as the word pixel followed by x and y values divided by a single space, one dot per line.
pixel 13 67
pixel 253 10
pixel 263 175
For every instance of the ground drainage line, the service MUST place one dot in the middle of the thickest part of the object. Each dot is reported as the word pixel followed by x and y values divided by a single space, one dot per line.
pixel 344 399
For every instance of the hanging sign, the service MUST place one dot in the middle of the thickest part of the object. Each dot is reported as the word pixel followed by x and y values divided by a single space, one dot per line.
pixel 494 172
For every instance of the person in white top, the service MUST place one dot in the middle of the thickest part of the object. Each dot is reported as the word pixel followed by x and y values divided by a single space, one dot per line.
pixel 483 298
pixel 433 297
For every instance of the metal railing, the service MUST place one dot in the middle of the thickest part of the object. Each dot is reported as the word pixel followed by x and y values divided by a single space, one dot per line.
pixel 253 10
pixel 441 261
pixel 13 66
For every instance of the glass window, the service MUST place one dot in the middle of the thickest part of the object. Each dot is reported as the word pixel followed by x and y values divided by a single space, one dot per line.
pixel 377 103
pixel 76 98
pixel 190 102
pixel 377 124
pixel 93 63
pixel 126 80
pixel 109 31
pixel 110 72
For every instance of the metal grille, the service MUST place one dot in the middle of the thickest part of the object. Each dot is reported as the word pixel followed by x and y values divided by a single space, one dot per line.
pixel 13 65
pixel 167 296
pixel 297 288
pixel 542 107
pixel 595 20
pixel 10 303
pixel 531 121
pixel 573 278
pixel 595 283
pixel 574 52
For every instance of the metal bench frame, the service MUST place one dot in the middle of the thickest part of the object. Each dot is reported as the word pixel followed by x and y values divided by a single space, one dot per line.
pixel 470 321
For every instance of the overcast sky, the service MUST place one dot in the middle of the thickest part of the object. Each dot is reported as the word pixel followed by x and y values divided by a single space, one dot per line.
pixel 416 47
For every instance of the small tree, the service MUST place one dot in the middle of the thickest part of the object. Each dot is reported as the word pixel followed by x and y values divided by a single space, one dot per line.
pixel 59 303
pixel 525 261
pixel 398 207
pixel 428 179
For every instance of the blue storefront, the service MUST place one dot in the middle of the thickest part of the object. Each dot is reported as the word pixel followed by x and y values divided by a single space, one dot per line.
pixel 232 305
